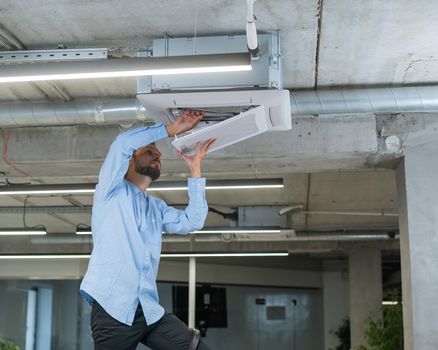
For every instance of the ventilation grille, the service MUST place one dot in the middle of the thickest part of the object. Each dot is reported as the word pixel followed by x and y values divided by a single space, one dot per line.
pixel 241 127
pixel 275 313
pixel 214 114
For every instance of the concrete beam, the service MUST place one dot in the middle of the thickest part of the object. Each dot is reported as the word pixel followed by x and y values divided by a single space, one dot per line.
pixel 314 144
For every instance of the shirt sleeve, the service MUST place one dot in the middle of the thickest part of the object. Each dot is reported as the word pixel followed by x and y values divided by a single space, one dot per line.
pixel 116 162
pixel 193 217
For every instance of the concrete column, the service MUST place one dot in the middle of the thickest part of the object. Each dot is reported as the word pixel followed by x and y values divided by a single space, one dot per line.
pixel 336 302
pixel 417 182
pixel 365 273
pixel 192 292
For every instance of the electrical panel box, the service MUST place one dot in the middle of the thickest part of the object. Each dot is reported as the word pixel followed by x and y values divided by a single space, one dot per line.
pixel 265 73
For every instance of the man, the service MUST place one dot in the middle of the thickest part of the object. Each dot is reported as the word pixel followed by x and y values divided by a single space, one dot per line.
pixel 127 226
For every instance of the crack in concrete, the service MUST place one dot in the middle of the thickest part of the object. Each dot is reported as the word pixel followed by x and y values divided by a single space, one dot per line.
pixel 319 8
pixel 412 64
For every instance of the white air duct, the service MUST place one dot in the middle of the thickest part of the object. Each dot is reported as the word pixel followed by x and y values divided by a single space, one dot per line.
pixel 380 100
pixel 109 111
pixel 376 100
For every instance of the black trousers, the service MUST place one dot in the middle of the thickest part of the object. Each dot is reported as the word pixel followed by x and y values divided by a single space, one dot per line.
pixel 169 333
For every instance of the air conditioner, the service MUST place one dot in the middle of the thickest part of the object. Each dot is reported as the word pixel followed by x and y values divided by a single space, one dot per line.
pixel 236 106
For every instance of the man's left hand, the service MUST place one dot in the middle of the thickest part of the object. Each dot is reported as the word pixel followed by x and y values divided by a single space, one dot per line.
pixel 194 162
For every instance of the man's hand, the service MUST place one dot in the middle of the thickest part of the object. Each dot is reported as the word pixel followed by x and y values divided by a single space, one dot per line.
pixel 185 122
pixel 194 162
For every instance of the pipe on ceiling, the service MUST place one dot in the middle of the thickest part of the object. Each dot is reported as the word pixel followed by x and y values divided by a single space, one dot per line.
pixel 376 100
pixel 108 111
pixel 112 111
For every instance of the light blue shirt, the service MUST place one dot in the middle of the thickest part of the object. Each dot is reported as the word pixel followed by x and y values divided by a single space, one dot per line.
pixel 127 226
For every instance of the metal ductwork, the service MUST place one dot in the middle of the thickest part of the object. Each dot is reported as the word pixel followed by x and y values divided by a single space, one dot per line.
pixel 378 100
pixel 70 113
pixel 111 111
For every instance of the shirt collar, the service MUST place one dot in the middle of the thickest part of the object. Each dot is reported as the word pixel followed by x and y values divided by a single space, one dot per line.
pixel 135 189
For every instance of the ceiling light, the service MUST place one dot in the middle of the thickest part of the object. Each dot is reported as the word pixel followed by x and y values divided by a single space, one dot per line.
pixel 164 255
pixel 156 186
pixel 87 231
pixel 47 189
pixel 45 256
pixel 83 231
pixel 220 184
pixel 22 231
pixel 238 230
pixel 386 302
pixel 214 255
pixel 124 67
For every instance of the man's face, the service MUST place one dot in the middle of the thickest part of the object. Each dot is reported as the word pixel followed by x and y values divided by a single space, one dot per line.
pixel 147 161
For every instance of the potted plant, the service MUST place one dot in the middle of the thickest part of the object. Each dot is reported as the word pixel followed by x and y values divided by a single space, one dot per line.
pixel 386 333
pixel 7 345
pixel 343 334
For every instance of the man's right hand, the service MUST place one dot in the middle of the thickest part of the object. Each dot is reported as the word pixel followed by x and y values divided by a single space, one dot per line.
pixel 185 122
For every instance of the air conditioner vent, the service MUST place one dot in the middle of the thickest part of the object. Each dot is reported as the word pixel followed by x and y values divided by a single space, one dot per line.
pixel 241 127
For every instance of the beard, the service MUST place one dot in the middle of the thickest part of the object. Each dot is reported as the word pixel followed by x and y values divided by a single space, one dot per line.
pixel 152 172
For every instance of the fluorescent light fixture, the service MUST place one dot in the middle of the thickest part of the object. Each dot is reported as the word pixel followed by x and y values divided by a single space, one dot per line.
pixel 83 232
pixel 22 231
pixel 47 189
pixel 156 186
pixel 385 302
pixel 125 67
pixel 215 255
pixel 80 231
pixel 238 230
pixel 45 256
pixel 220 184
pixel 165 255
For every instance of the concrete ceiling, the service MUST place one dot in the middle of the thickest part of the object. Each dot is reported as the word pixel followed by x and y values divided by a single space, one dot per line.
pixel 330 163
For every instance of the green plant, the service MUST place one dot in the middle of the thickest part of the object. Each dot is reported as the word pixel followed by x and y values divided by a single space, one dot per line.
pixel 343 334
pixel 7 345
pixel 386 333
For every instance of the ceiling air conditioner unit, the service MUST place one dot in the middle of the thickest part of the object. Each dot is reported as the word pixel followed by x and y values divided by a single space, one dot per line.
pixel 236 105
pixel 229 116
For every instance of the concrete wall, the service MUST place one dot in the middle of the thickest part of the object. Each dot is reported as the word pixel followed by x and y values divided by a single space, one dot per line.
pixel 248 327
pixel 13 302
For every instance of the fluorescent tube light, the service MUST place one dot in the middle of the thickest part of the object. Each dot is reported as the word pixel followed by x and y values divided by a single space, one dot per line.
pixel 214 255
pixel 37 191
pixel 22 232
pixel 125 67
pixel 237 230
pixel 165 255
pixel 220 184
pixel 389 302
pixel 156 186
pixel 45 256
pixel 208 230
pixel 83 232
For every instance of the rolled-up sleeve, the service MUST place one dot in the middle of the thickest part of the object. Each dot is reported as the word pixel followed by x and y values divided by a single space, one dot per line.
pixel 193 217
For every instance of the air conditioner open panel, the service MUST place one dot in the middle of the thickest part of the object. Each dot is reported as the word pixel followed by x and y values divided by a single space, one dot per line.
pixel 230 116
pixel 241 127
